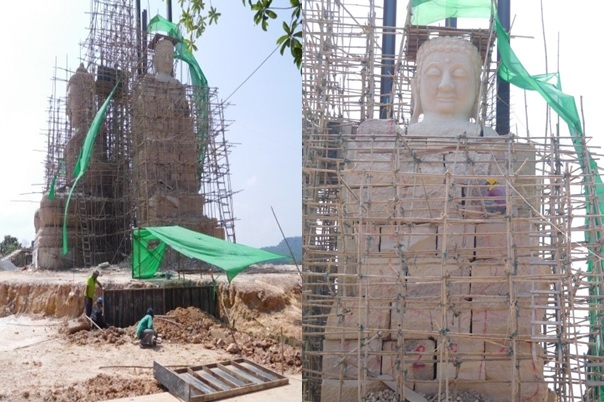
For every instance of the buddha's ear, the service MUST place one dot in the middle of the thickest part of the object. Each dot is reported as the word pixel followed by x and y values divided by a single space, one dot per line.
pixel 475 109
pixel 415 101
pixel 476 106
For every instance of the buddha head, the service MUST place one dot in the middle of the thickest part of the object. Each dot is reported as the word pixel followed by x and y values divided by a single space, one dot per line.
pixel 447 80
pixel 80 97
pixel 163 59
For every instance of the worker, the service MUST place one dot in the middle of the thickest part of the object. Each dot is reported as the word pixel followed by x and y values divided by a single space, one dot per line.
pixel 145 331
pixel 91 284
pixel 97 314
pixel 495 197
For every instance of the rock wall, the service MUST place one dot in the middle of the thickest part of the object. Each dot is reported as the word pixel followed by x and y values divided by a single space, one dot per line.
pixel 66 300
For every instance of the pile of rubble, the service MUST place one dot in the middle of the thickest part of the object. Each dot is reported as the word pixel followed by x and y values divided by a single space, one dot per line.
pixel 191 325
pixel 389 395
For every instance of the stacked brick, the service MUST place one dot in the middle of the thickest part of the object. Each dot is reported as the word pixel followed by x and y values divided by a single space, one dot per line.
pixel 437 289
pixel 165 158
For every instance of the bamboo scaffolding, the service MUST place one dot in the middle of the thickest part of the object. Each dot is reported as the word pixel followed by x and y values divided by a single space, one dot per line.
pixel 400 247
pixel 115 194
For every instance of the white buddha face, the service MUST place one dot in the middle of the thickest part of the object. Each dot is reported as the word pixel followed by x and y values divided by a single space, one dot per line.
pixel 163 59
pixel 448 85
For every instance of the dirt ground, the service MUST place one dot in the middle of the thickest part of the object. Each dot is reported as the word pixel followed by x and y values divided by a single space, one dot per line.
pixel 40 361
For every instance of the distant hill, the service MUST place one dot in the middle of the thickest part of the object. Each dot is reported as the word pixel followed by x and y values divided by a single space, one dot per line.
pixel 295 243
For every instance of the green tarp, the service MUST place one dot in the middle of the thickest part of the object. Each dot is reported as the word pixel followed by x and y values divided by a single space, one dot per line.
pixel 149 246
pixel 84 158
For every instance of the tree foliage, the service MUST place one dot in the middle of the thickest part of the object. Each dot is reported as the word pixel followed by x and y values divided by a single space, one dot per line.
pixel 196 17
pixel 9 244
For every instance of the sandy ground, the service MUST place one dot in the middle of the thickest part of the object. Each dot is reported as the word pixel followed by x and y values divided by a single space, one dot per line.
pixel 39 361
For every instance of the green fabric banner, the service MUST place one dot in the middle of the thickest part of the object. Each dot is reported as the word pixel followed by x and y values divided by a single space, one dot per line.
pixel 564 105
pixel 84 158
pixel 512 71
pixel 426 12
pixel 149 246
pixel 52 191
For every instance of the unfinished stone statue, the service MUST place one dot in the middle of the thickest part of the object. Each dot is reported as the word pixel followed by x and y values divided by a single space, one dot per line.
pixel 80 112
pixel 94 190
pixel 426 256
pixel 165 148
pixel 47 253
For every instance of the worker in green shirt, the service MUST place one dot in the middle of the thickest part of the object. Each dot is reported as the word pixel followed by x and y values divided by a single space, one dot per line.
pixel 145 331
pixel 91 284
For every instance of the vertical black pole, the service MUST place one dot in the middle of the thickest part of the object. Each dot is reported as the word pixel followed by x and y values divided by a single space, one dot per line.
pixel 139 48
pixel 144 41
pixel 388 47
pixel 169 9
pixel 451 22
pixel 503 87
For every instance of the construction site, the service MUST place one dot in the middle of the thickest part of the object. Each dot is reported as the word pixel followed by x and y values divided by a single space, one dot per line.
pixel 136 141
pixel 443 260
pixel 158 155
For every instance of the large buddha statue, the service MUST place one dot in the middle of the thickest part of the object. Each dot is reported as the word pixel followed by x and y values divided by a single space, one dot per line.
pixel 424 258
pixel 165 147
pixel 80 112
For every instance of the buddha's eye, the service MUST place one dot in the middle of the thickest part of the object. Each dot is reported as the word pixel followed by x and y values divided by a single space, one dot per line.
pixel 460 73
pixel 433 72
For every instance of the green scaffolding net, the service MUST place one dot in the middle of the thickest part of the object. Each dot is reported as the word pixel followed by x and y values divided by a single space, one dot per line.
pixel 149 248
pixel 84 158
pixel 549 87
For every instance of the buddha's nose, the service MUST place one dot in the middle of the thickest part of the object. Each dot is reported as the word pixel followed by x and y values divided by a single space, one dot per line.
pixel 446 81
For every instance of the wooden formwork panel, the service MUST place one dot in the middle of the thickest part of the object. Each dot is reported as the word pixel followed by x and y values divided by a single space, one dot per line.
pixel 124 307
pixel 215 381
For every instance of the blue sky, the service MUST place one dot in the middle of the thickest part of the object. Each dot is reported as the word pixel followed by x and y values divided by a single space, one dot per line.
pixel 265 113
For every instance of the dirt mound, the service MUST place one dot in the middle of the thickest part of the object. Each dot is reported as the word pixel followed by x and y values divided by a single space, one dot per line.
pixel 192 326
pixel 184 325
pixel 102 387
pixel 111 335
pixel 267 306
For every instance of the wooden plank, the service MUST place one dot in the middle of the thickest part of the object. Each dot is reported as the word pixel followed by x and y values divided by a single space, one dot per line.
pixel 124 307
pixel 207 382
pixel 257 371
pixel 216 381
pixel 241 379
pixel 216 372
pixel 250 377
pixel 176 385
pixel 199 386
